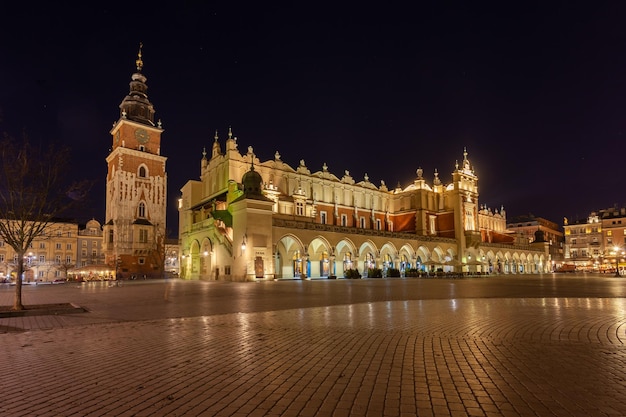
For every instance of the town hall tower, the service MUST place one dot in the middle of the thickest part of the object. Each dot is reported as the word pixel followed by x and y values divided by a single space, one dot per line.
pixel 136 187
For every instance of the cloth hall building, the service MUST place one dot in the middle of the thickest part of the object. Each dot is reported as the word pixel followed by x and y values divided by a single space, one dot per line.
pixel 247 219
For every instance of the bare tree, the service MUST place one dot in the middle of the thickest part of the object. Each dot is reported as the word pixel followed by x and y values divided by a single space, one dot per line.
pixel 34 191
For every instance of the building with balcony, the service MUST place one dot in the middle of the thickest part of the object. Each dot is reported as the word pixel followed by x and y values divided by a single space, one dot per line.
pixel 49 257
pixel 597 243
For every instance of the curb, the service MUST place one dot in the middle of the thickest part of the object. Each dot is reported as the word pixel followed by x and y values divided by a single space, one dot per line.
pixel 42 310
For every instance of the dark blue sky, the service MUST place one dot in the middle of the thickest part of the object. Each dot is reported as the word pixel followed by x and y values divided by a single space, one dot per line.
pixel 535 91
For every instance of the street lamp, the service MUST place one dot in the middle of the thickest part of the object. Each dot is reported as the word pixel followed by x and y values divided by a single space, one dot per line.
pixel 616 249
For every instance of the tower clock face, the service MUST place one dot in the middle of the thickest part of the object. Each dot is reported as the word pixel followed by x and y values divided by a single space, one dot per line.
pixel 141 135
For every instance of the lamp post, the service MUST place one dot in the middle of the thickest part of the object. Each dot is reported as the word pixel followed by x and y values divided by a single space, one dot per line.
pixel 616 249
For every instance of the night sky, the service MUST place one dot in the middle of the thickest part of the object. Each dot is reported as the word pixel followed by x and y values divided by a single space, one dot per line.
pixel 536 92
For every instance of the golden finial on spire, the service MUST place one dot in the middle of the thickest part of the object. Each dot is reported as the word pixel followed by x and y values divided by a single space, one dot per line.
pixel 139 61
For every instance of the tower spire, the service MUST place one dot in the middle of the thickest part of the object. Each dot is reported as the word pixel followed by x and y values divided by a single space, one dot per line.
pixel 139 61
pixel 136 106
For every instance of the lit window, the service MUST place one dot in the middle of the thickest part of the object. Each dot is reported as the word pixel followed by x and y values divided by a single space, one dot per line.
pixel 299 208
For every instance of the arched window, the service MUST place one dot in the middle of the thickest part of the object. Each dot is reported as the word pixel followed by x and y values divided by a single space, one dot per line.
pixel 143 172
pixel 142 209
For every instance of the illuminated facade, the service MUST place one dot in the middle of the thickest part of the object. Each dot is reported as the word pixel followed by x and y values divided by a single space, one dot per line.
pixel 136 187
pixel 49 256
pixel 89 249
pixel 247 220
pixel 598 242
pixel 528 226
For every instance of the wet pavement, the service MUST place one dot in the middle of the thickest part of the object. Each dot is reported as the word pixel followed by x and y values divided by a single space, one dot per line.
pixel 499 346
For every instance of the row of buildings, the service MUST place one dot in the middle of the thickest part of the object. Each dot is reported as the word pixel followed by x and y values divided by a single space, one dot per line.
pixel 247 219
pixel 68 249
pixel 598 242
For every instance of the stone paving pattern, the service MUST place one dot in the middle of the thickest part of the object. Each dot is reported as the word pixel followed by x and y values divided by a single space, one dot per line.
pixel 498 346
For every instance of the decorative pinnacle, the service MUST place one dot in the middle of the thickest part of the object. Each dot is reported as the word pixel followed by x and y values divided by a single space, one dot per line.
pixel 139 61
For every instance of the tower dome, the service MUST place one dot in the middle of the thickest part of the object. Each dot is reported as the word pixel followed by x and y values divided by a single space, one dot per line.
pixel 539 236
pixel 252 182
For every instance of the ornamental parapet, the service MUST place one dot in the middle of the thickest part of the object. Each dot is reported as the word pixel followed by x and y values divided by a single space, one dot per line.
pixel 509 246
pixel 296 224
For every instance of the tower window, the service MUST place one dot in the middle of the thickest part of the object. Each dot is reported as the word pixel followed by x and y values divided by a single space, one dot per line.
pixel 143 236
pixel 142 210
pixel 143 172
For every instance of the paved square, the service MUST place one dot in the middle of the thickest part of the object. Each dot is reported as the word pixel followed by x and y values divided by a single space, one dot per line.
pixel 505 346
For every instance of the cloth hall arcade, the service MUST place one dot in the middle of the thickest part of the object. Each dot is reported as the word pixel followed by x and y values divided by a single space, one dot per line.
pixel 247 219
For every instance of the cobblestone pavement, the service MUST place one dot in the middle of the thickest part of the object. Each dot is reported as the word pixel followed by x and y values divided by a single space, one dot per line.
pixel 505 346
